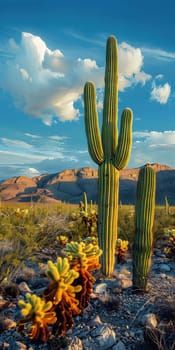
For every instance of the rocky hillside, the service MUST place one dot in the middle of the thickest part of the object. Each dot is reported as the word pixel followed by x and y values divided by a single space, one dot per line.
pixel 69 186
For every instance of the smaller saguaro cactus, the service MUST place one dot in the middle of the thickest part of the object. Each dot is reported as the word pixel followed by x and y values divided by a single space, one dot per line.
pixel 144 220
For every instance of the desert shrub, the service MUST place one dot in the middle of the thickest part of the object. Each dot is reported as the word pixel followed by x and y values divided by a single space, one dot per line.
pixel 163 222
pixel 83 223
pixel 162 337
pixel 126 226
pixel 170 248
pixel 9 264
pixel 26 231
pixel 30 229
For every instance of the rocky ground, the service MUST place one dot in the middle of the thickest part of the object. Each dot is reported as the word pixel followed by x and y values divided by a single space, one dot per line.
pixel 115 317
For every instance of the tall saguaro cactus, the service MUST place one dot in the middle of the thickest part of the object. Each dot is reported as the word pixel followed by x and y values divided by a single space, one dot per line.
pixel 109 152
pixel 144 220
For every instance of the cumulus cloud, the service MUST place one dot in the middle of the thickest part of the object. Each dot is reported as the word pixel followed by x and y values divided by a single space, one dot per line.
pixel 160 93
pixel 153 147
pixel 17 170
pixel 155 138
pixel 45 84
pixel 30 172
pixel 130 65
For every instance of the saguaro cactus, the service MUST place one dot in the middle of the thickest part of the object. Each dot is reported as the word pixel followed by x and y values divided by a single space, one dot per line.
pixel 144 220
pixel 110 153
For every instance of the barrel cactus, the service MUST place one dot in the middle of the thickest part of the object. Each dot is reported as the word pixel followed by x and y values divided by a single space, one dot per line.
pixel 144 221
pixel 109 151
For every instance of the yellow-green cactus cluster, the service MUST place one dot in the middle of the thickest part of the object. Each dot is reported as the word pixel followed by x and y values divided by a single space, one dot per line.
pixel 91 239
pixel 170 250
pixel 121 249
pixel 62 291
pixel 61 273
pixel 83 251
pixel 122 244
pixel 39 313
pixel 21 212
pixel 67 294
pixel 62 239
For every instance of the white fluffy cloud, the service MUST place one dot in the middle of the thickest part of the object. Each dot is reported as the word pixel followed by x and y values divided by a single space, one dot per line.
pixel 155 138
pixel 160 93
pixel 153 147
pixel 46 84
pixel 130 65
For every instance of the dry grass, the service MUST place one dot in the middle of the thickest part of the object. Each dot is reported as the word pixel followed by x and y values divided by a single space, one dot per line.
pixel 162 337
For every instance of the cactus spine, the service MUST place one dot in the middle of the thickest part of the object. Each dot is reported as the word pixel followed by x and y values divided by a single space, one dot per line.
pixel 144 220
pixel 110 153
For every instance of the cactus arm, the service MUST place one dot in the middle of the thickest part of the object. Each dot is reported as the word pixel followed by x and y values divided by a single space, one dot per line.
pixel 123 150
pixel 91 124
pixel 110 108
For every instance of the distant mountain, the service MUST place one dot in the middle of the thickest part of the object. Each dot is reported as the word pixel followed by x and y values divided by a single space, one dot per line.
pixel 69 185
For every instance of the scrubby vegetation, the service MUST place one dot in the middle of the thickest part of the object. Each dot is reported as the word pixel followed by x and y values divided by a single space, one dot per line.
pixel 27 230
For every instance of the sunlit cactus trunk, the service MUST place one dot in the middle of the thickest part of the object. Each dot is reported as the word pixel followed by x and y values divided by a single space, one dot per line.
pixel 108 152
pixel 108 213
pixel 144 221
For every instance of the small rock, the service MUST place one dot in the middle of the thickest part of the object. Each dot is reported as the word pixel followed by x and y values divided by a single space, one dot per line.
pixel 119 346
pixel 75 344
pixel 126 283
pixel 19 346
pixel 23 287
pixel 5 345
pixel 125 272
pixel 164 267
pixel 170 279
pixel 104 336
pixel 160 254
pixel 132 334
pixel 100 288
pixel 6 324
pixel 149 320
pixel 95 322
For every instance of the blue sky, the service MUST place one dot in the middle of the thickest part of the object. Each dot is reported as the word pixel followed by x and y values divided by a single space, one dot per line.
pixel 49 49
